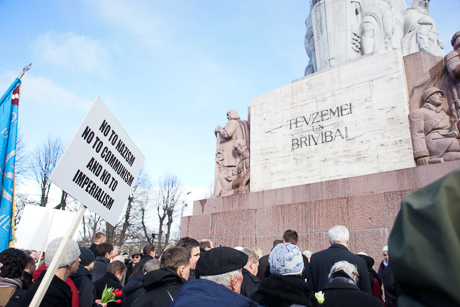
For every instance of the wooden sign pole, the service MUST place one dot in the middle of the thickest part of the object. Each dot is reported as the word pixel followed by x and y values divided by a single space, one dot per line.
pixel 54 264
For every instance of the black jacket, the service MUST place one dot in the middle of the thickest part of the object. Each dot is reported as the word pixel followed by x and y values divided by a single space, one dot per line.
pixel 111 281
pixel 322 262
pixel 284 291
pixel 340 292
pixel 58 294
pixel 93 248
pixel 85 286
pixel 250 283
pixel 100 267
pixel 133 289
pixel 161 286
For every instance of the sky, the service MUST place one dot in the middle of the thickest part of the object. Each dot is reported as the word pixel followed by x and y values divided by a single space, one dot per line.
pixel 167 70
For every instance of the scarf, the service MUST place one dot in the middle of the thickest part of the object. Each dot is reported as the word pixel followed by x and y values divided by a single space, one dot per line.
pixel 10 282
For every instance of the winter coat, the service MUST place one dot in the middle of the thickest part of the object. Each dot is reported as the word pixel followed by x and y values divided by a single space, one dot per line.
pixel 205 293
pixel 322 262
pixel 75 295
pixel 161 286
pixel 284 291
pixel 133 289
pixel 341 292
pixel 112 282
pixel 93 249
pixel 85 286
pixel 100 267
pixel 58 294
pixel 250 283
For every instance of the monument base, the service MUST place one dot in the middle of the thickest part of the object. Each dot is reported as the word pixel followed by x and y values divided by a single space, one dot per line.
pixel 367 205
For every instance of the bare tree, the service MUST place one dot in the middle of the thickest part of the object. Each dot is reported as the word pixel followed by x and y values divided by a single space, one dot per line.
pixel 91 224
pixel 168 194
pixel 41 164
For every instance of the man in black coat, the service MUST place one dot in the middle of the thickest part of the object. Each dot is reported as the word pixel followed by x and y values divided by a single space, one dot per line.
pixel 341 290
pixel 322 262
pixel 112 278
pixel 162 286
pixel 82 279
pixel 250 279
pixel 102 262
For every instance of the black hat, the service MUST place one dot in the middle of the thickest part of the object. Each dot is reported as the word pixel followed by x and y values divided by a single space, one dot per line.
pixel 86 256
pixel 220 260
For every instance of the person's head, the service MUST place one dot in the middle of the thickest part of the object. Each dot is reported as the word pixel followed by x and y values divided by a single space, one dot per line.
pixel 151 265
pixel 178 259
pixel 205 245
pixel 87 258
pixel 193 248
pixel 307 254
pixel 14 262
pixel 420 5
pixel 240 146
pixel 434 96
pixel 232 114
pixel 136 256
pixel 99 238
pixel 253 261
pixel 258 251
pixel 117 268
pixel 70 257
pixel 276 242
pixel 456 40
pixel 30 265
pixel 223 265
pixel 344 269
pixel 339 235
pixel 104 250
pixel 149 250
pixel 285 259
pixel 385 254
pixel 115 252
pixel 291 236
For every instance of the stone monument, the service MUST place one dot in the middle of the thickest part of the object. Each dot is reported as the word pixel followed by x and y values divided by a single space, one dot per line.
pixel 347 142
pixel 232 157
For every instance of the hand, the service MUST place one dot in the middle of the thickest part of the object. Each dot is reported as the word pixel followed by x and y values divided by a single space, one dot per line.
pixel 101 304
pixel 217 129
pixel 422 161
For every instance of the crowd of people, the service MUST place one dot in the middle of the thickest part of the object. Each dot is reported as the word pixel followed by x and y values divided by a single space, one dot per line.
pixel 195 273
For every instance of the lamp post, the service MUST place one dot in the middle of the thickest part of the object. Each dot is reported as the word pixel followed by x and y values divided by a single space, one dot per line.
pixel 184 205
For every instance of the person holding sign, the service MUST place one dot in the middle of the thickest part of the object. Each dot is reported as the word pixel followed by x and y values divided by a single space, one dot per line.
pixel 59 292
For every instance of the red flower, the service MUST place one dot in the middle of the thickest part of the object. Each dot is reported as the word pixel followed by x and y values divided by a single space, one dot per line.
pixel 118 301
pixel 118 293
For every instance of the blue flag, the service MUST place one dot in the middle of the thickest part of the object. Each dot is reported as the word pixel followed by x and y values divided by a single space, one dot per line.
pixel 8 134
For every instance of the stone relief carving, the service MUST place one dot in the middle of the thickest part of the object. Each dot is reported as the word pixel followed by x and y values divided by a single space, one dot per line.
pixel 420 33
pixel 452 67
pixel 342 30
pixel 232 157
pixel 435 132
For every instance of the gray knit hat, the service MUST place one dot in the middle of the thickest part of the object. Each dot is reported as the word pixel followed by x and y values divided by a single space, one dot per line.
pixel 70 254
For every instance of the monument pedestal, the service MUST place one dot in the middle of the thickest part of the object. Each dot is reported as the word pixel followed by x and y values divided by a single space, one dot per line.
pixel 367 205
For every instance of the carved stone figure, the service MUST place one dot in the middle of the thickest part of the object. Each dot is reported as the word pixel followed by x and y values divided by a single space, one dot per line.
pixel 226 154
pixel 435 133
pixel 452 65
pixel 420 33
pixel 240 184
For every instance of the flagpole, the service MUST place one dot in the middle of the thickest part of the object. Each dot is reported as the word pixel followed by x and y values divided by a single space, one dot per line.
pixel 27 68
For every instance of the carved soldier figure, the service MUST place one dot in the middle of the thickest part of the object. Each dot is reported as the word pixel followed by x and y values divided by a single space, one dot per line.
pixel 435 134
pixel 226 154
pixel 240 183
pixel 452 63
pixel 420 33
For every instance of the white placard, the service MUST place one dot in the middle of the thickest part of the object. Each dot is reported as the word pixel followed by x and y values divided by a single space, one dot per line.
pixel 100 165
pixel 40 225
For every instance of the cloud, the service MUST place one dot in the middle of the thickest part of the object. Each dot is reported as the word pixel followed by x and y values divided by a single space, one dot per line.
pixel 78 54
pixel 44 91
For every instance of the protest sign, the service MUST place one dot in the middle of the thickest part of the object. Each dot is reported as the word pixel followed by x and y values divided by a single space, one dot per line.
pixel 100 165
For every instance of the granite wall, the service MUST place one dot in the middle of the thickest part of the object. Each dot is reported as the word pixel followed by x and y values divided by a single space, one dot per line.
pixel 367 205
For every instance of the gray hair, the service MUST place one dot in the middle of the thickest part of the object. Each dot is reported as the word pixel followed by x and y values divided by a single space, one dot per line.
pixel 252 255
pixel 345 266
pixel 223 279
pixel 117 249
pixel 151 265
pixel 307 253
pixel 338 234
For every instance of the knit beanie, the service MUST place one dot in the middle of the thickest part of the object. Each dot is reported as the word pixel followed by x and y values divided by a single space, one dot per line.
pixel 285 259
pixel 86 256
pixel 70 254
